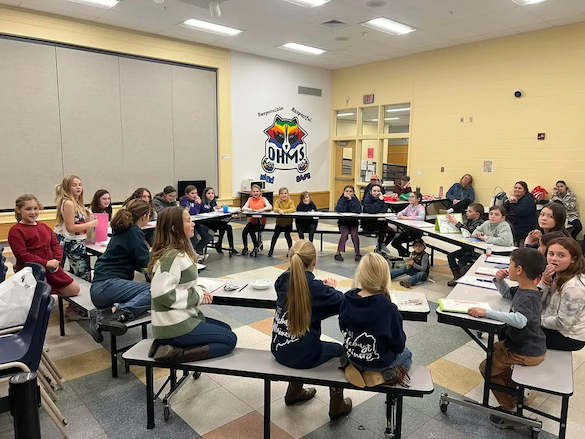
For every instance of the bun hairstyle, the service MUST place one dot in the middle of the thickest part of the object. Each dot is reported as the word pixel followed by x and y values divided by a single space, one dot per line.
pixel 373 275
pixel 298 296
pixel 170 235
pixel 21 201
pixel 129 214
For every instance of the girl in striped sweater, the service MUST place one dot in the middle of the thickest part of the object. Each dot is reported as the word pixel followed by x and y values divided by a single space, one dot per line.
pixel 182 333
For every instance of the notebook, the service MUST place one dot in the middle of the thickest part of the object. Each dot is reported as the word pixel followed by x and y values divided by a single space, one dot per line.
pixel 210 284
pixel 461 306
pixel 406 301
pixel 498 259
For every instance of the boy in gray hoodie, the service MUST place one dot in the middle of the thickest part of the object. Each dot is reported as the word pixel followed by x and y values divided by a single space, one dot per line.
pixel 497 230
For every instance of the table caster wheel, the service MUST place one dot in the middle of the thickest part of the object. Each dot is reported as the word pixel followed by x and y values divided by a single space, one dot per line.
pixel 479 334
pixel 444 407
pixel 196 375
pixel 167 413
pixel 534 433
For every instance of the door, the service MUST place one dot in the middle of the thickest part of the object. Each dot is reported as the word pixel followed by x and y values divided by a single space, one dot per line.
pixel 345 163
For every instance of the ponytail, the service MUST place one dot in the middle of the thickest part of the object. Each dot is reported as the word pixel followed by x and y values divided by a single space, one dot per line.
pixel 129 214
pixel 299 309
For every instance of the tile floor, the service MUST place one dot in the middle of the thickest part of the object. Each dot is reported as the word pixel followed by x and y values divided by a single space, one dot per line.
pixel 217 407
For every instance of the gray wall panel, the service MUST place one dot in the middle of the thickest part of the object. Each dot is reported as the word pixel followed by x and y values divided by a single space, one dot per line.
pixel 30 139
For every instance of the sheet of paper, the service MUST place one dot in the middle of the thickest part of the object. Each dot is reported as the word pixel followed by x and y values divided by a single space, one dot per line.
pixel 445 226
pixel 477 282
pixel 462 306
pixel 498 259
pixel 210 284
pixel 474 240
pixel 487 271
pixel 420 224
pixel 410 302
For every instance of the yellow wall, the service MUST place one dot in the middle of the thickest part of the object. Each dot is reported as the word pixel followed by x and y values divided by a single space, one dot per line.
pixel 478 80
pixel 80 33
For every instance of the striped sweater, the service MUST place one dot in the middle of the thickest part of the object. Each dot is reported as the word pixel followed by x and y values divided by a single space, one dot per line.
pixel 175 296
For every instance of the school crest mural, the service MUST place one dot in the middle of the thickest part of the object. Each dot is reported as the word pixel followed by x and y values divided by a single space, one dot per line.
pixel 285 147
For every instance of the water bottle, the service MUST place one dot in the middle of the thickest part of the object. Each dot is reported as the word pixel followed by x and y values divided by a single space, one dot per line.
pixel 440 191
pixel 488 250
pixel 418 188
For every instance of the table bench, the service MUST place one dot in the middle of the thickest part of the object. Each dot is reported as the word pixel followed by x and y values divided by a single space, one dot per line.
pixel 259 364
pixel 83 302
pixel 438 245
pixel 554 376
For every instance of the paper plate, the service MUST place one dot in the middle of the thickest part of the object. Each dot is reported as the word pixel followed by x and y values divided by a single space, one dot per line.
pixel 260 284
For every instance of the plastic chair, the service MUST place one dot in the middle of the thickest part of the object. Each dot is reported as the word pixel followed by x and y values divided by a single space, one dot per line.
pixel 39 272
pixel 3 267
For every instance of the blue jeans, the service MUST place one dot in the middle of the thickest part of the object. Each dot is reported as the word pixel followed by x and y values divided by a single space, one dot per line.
pixel 415 275
pixel 128 295
pixel 329 350
pixel 205 237
pixel 218 335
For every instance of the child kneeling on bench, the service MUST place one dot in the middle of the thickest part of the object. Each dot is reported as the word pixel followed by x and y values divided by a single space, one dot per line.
pixel 182 333
pixel 374 341
pixel 524 341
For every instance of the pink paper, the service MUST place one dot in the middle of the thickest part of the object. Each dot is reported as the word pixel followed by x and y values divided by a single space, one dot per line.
pixel 100 233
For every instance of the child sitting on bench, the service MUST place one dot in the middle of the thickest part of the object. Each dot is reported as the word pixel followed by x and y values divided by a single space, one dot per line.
pixel 182 333
pixel 524 341
pixel 374 341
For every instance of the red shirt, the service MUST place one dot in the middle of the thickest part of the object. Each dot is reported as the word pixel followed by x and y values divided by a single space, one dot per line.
pixel 33 243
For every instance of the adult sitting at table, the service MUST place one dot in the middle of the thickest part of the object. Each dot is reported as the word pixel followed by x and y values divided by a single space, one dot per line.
pixel 373 181
pixel 460 195
pixel 552 218
pixel 374 203
pixel 403 186
pixel 521 210
pixel 568 199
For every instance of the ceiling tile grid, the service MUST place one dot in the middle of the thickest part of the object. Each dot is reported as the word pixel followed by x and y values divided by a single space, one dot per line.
pixel 267 24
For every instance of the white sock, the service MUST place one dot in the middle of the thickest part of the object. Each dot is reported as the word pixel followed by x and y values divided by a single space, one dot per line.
pixel 450 210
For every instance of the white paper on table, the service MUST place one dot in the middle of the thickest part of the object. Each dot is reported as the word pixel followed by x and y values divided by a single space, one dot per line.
pixel 420 224
pixel 210 284
pixel 477 282
pixel 487 271
pixel 498 259
pixel 452 305
pixel 409 302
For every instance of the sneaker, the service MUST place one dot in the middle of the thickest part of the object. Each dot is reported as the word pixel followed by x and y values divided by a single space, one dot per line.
pixel 94 329
pixel 245 251
pixel 452 282
pixel 202 258
pixel 270 253
pixel 233 251
pixel 405 283
pixel 384 249
pixel 339 257
pixel 358 257
pixel 504 423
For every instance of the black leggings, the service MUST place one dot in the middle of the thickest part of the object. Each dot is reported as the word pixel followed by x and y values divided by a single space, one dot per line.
pixel 385 233
pixel 577 227
pixel 405 238
pixel 223 227
pixel 277 230
pixel 556 340
pixel 306 227
pixel 254 231
pixel 461 206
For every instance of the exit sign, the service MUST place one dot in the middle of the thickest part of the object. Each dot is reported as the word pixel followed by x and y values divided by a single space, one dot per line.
pixel 369 99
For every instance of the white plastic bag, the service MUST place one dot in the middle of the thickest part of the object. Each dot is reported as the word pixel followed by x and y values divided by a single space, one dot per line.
pixel 16 295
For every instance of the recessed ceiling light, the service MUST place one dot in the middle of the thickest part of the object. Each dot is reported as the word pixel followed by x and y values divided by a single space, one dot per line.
pixel 106 4
pixel 388 26
pixel 526 2
pixel 392 110
pixel 308 3
pixel 301 48
pixel 345 114
pixel 211 27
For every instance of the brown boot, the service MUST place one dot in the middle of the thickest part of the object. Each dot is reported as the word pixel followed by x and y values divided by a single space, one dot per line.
pixel 295 393
pixel 354 376
pixel 338 406
pixel 153 348
pixel 168 353
pixel 173 354
pixel 456 275
pixel 397 375
pixel 195 353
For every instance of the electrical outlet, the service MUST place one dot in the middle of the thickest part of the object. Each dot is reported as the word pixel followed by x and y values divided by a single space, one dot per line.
pixel 442 169
pixel 462 119
pixel 471 119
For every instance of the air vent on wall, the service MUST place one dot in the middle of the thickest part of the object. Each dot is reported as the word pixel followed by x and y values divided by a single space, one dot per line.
pixel 333 24
pixel 309 91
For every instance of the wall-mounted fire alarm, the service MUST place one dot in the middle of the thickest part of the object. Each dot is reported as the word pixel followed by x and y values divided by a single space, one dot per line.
pixel 540 136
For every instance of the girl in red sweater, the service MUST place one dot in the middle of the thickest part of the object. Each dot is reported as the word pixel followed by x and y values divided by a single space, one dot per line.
pixel 33 241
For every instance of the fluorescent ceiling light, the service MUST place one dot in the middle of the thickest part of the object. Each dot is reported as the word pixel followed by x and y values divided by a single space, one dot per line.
pixel 295 47
pixel 388 26
pixel 387 118
pixel 392 110
pixel 526 2
pixel 211 27
pixel 345 114
pixel 308 3
pixel 106 4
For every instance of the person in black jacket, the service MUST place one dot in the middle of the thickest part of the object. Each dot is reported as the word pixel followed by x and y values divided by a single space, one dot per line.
pixel 374 203
pixel 521 210
pixel 306 225
pixel 348 203
pixel 374 180
pixel 302 302
pixel 371 324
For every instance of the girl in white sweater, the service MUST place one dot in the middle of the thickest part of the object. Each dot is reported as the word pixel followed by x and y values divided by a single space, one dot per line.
pixel 563 296
pixel 182 333
pixel 497 230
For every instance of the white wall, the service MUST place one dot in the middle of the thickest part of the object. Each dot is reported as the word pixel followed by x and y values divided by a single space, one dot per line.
pixel 260 85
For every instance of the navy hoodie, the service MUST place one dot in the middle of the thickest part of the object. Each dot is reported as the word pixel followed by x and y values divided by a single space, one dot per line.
pixel 372 330
pixel 372 205
pixel 344 205
pixel 302 207
pixel 522 215
pixel 303 352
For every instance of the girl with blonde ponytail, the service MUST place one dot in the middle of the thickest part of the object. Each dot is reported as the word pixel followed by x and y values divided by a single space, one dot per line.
pixel 114 293
pixel 302 303
pixel 374 341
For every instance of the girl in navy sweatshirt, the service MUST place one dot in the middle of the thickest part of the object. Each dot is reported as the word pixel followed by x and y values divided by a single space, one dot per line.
pixel 374 341
pixel 348 203
pixel 302 302
pixel 374 203
pixel 308 225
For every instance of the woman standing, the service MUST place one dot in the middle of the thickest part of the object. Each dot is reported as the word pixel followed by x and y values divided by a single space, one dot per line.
pixel 521 210
pixel 568 199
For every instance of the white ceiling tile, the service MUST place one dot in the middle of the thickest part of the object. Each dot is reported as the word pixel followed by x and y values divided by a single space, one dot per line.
pixel 116 18
pixel 346 12
pixel 499 6
pixel 150 11
pixel 516 17
pixel 568 20
pixel 390 7
pixel 445 44
pixel 358 51
pixel 470 40
pixel 10 2
pixel 400 43
pixel 553 9
pixel 190 34
pixel 533 27
pixel 482 24
pixel 579 4
pixel 376 48
pixel 421 49
pixel 417 18
pixel 423 37
pixel 502 33
pixel 360 32
pixel 452 32
pixel 66 8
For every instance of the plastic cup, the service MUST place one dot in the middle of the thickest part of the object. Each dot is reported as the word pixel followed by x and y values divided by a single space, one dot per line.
pixel 488 250
pixel 225 208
